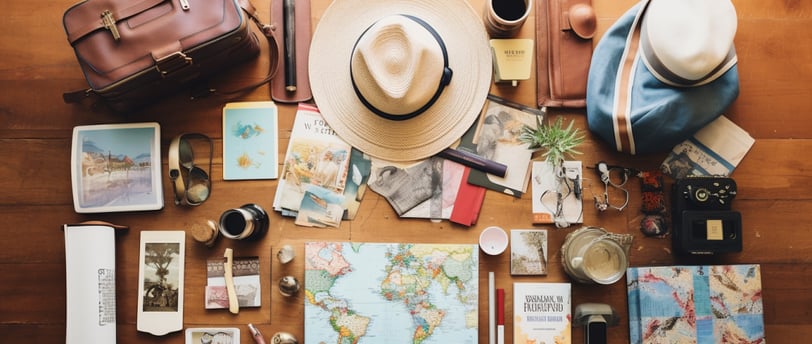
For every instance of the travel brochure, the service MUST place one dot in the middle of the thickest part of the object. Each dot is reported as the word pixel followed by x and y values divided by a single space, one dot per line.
pixel 715 150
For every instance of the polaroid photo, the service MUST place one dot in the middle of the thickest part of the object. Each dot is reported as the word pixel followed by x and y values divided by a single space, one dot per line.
pixel 213 335
pixel 160 282
pixel 528 252
pixel 116 167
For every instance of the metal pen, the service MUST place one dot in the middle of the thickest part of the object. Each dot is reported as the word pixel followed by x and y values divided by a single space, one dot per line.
pixel 288 7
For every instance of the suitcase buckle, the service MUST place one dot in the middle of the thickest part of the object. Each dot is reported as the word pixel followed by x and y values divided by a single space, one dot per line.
pixel 172 62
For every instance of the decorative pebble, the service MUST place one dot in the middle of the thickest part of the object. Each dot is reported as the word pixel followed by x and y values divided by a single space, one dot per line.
pixel 653 225
pixel 285 254
pixel 288 286
pixel 283 338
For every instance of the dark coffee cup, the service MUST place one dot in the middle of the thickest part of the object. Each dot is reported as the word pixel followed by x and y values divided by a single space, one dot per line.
pixel 249 222
pixel 504 18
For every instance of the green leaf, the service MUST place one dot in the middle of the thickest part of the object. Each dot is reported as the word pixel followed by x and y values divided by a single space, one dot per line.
pixel 556 142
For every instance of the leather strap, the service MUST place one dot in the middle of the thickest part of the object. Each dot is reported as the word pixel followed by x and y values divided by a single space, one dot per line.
pixel 273 50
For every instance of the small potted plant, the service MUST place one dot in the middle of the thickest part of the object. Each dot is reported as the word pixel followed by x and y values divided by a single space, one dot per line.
pixel 556 142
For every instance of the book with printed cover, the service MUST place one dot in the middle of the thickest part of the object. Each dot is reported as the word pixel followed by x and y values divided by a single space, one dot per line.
pixel 697 304
pixel 542 312
pixel 316 157
pixel 528 252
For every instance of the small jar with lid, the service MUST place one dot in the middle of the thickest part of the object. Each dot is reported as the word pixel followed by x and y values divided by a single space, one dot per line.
pixel 594 255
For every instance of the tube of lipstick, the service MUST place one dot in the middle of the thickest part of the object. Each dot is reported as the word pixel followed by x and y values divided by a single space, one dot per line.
pixel 256 334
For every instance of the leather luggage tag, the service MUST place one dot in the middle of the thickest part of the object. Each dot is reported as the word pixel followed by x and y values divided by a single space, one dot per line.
pixel 564 31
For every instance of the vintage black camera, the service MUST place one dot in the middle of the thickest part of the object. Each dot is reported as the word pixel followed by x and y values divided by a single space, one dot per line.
pixel 702 218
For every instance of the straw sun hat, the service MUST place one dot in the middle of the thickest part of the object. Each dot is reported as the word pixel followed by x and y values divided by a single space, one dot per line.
pixel 400 80
pixel 662 71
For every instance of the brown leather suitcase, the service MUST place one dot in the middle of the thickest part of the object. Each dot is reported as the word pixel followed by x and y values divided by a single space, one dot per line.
pixel 133 53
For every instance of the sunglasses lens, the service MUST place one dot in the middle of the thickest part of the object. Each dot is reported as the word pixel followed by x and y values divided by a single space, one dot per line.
pixel 199 185
pixel 185 154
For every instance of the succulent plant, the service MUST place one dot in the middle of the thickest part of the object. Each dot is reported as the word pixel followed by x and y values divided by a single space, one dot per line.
pixel 556 141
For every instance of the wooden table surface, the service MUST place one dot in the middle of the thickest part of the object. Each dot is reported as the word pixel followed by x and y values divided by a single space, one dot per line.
pixel 775 183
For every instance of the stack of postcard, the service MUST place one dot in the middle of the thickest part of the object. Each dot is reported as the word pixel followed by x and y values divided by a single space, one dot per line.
pixel 323 178
pixel 434 188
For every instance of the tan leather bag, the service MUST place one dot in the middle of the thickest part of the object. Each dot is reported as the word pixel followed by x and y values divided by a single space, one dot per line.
pixel 564 30
pixel 133 53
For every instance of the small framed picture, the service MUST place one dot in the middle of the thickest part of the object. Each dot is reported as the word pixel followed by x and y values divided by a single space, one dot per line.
pixel 160 282
pixel 116 167
pixel 204 335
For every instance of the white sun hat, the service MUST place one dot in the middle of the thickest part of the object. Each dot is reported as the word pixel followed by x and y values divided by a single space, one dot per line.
pixel 688 42
pixel 400 80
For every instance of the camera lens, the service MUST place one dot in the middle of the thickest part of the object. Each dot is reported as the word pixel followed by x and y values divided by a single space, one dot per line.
pixel 701 195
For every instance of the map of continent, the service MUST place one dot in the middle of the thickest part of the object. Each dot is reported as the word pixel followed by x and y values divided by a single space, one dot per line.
pixel 391 293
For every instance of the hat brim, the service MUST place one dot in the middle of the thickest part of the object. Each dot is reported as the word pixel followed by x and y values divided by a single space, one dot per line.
pixel 444 122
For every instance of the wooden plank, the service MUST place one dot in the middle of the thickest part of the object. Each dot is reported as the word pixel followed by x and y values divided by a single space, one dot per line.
pixel 35 128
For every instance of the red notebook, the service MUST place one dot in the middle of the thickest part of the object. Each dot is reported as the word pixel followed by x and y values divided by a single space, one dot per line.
pixel 468 202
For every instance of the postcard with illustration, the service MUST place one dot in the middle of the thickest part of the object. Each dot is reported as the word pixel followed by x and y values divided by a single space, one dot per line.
pixel 250 141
